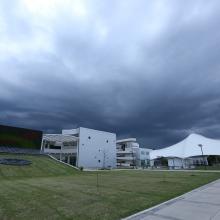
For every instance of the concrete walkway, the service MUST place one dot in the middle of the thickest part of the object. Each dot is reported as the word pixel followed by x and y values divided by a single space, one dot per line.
pixel 200 204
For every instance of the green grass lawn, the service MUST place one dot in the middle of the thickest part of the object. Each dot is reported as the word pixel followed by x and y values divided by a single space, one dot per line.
pixel 214 167
pixel 50 190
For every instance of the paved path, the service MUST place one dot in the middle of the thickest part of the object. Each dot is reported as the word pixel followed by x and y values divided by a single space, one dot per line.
pixel 200 204
pixel 156 170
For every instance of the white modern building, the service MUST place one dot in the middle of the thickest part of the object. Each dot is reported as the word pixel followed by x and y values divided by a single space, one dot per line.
pixel 126 152
pixel 130 155
pixel 143 157
pixel 82 147
pixel 188 153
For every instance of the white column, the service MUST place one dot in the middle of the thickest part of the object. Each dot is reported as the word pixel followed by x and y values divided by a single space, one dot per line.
pixel 61 148
pixel 77 153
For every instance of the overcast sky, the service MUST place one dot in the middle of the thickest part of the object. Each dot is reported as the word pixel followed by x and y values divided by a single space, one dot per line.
pixel 148 69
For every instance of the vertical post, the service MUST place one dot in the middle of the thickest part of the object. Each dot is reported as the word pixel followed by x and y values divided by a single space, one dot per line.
pixel 200 145
pixel 61 147
pixel 97 181
pixel 182 163
pixel 134 158
pixel 77 153
pixel 42 145
pixel 104 157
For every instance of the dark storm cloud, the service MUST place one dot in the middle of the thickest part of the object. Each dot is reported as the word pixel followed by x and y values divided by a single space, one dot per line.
pixel 146 69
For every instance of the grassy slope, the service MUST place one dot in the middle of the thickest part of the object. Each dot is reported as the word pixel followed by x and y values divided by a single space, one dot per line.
pixel 42 166
pixel 49 190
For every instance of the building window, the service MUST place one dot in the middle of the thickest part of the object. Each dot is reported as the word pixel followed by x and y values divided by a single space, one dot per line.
pixel 107 141
pixel 89 137
pixel 99 161
pixel 123 147
pixel 55 147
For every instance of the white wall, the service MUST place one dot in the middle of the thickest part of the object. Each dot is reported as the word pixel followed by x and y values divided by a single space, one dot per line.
pixel 97 149
pixel 175 163
pixel 142 156
pixel 144 153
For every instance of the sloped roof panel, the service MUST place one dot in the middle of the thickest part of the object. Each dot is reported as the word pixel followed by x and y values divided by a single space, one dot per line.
pixel 189 148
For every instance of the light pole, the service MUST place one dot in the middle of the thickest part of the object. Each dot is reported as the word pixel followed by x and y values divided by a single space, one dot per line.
pixel 201 146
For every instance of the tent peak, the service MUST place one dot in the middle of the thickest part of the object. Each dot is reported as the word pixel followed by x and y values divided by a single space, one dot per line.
pixel 192 135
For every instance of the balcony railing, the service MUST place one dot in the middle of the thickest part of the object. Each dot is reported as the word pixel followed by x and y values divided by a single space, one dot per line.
pixel 124 152
pixel 126 158
pixel 68 150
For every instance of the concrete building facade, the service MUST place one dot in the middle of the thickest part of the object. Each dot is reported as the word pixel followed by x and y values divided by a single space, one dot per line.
pixel 62 147
pixel 126 152
pixel 143 157
pixel 82 147
pixel 96 149
pixel 130 155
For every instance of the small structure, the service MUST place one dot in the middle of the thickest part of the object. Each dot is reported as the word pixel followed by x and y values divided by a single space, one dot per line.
pixel 185 163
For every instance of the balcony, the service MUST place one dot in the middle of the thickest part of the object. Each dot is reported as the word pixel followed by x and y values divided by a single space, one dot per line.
pixel 128 165
pixel 126 158
pixel 128 151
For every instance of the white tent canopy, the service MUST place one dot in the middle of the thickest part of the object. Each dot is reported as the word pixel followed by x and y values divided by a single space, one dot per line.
pixel 189 148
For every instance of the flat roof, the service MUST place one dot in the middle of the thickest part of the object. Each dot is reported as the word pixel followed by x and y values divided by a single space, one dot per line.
pixel 59 137
pixel 126 140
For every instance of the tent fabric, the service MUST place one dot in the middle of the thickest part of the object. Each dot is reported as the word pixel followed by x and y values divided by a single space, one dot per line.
pixel 189 148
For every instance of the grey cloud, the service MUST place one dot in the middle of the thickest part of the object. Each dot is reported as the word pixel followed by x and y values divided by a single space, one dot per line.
pixel 143 69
